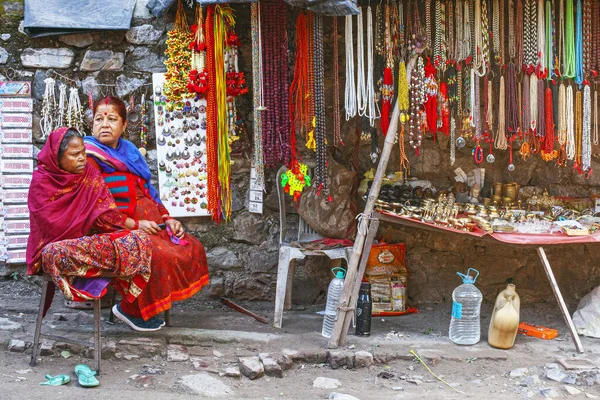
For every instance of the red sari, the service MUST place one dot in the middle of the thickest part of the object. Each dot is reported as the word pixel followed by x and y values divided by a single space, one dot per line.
pixel 64 208
pixel 178 272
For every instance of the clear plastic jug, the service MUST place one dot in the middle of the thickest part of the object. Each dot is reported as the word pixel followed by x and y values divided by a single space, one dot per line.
pixel 334 293
pixel 465 326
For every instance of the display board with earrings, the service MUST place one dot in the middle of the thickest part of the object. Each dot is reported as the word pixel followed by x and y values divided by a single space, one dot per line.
pixel 181 152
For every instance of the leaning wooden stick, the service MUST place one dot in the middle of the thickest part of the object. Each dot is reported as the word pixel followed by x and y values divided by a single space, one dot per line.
pixel 347 303
pixel 241 309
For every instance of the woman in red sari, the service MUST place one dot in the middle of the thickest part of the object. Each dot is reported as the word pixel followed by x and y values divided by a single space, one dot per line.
pixel 179 266
pixel 68 201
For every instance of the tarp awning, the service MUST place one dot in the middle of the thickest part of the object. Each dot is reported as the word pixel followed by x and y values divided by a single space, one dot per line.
pixel 60 17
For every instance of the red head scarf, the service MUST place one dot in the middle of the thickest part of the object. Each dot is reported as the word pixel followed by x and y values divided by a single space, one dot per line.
pixel 62 205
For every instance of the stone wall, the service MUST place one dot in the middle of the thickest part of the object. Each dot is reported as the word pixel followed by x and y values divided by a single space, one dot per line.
pixel 243 254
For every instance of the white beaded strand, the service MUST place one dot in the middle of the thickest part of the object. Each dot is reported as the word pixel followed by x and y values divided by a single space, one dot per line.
pixel 586 145
pixel 361 88
pixel 372 106
pixel 350 91
pixel 570 124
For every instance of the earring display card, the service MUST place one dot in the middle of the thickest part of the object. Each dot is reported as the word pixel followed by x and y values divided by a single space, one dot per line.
pixel 15 89
pixel 16 136
pixel 16 166
pixel 181 152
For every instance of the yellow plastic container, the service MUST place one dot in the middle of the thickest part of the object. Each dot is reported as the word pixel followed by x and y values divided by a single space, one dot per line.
pixel 505 319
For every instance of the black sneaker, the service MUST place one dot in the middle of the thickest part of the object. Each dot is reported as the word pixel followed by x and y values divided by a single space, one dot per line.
pixel 138 324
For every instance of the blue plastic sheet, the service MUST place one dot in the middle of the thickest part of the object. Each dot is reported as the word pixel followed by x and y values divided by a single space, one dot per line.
pixel 327 7
pixel 60 17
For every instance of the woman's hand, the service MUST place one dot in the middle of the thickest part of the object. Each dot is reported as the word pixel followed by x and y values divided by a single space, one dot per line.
pixel 148 226
pixel 175 227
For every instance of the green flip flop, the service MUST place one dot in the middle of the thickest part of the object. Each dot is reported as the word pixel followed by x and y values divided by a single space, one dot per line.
pixel 56 380
pixel 85 376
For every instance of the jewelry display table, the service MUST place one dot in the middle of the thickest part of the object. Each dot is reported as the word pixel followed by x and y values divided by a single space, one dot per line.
pixel 518 239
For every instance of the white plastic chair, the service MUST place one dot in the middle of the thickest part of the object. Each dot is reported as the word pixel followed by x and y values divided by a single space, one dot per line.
pixel 289 254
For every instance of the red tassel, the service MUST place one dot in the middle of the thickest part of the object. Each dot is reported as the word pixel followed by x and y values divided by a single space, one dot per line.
pixel 431 103
pixel 388 82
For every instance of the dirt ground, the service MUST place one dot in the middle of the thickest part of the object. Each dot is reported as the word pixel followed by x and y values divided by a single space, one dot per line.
pixel 213 332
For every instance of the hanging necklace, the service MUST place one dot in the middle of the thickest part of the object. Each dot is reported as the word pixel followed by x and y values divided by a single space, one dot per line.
pixel 61 111
pixel 511 30
pixel 319 97
pixel 372 108
pixel 518 33
pixel 481 49
pixel 549 54
pixel 459 33
pixel 403 105
pixel 586 145
pixel 47 123
pixel 350 90
pixel 529 35
pixel 541 41
pixel 548 153
pixel 570 116
pixel 417 98
pixel 439 51
pixel 299 97
pixel 257 93
pixel 428 31
pixel 579 72
pixel 578 129
pixel 361 88
pixel 387 88
pixel 449 40
pixel 562 116
pixel 501 141
pixel 401 31
pixel 379 30
pixel 569 41
pixel 337 129
pixel 587 35
pixel 596 37
pixel 596 139
pixel 496 31
pixel 74 111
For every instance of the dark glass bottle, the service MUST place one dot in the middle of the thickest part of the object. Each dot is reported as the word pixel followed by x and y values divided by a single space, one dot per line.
pixel 364 307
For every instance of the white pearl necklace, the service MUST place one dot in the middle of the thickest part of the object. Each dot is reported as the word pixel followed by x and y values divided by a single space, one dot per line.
pixel 350 91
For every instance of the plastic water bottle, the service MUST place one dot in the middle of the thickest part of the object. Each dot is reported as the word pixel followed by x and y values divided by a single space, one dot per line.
pixel 465 326
pixel 334 293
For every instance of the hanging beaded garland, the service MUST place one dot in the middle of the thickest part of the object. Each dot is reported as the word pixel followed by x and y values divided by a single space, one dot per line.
pixel 144 126
pixel 47 123
pixel 178 58
pixel 198 78
pixel 337 127
pixel 319 96
pixel 257 88
pixel 275 119
pixel 235 79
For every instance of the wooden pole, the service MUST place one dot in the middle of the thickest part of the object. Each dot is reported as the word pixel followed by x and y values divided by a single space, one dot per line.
pixel 559 299
pixel 346 307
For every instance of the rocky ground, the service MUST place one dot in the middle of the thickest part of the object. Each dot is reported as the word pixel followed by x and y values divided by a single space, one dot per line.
pixel 213 351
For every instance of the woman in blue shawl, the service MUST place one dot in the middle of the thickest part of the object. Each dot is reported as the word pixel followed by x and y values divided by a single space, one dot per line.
pixel 179 266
